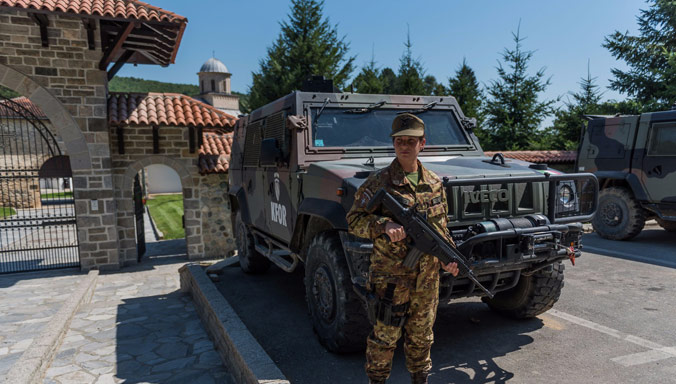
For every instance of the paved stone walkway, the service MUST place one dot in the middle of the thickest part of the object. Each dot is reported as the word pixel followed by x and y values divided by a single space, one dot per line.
pixel 138 328
pixel 27 303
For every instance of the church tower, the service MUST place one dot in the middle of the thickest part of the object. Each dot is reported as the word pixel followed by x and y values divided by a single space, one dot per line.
pixel 214 83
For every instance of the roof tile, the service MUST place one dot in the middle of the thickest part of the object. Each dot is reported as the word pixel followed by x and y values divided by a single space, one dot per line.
pixel 539 156
pixel 214 154
pixel 164 109
pixel 125 9
pixel 8 111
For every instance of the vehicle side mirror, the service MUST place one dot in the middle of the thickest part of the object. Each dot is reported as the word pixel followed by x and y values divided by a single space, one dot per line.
pixel 270 153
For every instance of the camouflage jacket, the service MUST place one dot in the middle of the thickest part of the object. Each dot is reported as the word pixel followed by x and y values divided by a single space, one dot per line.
pixel 387 257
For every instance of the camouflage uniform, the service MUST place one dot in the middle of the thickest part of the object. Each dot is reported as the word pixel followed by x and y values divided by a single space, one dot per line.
pixel 418 286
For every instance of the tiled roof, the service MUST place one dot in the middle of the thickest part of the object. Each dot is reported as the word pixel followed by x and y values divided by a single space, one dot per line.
pixel 214 155
pixel 122 9
pixel 6 111
pixel 164 109
pixel 548 157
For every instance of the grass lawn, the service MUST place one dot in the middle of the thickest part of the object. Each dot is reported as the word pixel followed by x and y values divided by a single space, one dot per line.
pixel 6 212
pixel 167 212
pixel 57 195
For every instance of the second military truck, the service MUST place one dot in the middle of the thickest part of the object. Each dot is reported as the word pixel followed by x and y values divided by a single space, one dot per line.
pixel 634 158
pixel 297 163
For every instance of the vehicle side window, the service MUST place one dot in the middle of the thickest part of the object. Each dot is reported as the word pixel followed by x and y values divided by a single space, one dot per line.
pixel 662 139
pixel 252 144
pixel 275 128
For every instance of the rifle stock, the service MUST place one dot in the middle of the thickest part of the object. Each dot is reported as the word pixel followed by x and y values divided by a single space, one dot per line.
pixel 422 237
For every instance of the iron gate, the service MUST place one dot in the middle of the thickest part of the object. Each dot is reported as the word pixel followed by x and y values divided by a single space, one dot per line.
pixel 37 211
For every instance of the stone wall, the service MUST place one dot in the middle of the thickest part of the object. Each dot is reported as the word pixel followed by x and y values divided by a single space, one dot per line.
pixel 138 153
pixel 217 228
pixel 63 79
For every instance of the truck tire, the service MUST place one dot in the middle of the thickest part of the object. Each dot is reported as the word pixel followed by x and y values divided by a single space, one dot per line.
pixel 338 315
pixel 669 226
pixel 250 260
pixel 619 217
pixel 533 295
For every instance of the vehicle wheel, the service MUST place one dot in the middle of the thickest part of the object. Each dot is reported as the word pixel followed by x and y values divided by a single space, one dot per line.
pixel 338 315
pixel 533 295
pixel 619 216
pixel 249 259
pixel 668 225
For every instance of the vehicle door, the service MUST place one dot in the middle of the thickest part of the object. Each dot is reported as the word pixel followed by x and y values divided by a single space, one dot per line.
pixel 253 176
pixel 279 180
pixel 656 155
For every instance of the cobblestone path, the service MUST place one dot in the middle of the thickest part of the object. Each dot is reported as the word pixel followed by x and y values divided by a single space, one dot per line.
pixel 27 303
pixel 138 328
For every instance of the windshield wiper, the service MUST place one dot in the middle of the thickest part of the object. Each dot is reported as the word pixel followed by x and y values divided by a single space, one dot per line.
pixel 367 109
pixel 326 101
pixel 424 108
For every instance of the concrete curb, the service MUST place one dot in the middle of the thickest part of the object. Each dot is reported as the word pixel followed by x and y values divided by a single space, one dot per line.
pixel 242 355
pixel 33 363
pixel 158 234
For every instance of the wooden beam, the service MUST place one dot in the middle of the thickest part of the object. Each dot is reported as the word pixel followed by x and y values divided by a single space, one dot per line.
pixel 156 139
pixel 90 26
pixel 41 20
pixel 115 47
pixel 119 63
pixel 191 138
pixel 120 140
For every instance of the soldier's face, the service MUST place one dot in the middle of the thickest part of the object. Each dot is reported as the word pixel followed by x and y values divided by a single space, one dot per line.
pixel 407 148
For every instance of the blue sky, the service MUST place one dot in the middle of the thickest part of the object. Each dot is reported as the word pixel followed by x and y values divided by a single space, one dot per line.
pixel 563 34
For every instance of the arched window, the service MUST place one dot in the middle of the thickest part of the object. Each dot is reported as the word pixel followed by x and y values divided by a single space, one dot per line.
pixel 202 86
pixel 213 86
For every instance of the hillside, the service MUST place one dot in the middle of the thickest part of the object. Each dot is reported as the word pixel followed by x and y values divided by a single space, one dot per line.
pixel 133 84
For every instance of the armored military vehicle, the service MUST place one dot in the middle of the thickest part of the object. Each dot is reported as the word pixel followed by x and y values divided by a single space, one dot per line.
pixel 298 161
pixel 634 158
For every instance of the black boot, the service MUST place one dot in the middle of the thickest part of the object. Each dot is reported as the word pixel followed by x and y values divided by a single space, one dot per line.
pixel 419 377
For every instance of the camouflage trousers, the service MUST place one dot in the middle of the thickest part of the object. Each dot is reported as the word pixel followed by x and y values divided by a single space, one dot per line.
pixel 417 330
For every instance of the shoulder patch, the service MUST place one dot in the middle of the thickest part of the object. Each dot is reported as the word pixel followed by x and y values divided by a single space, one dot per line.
pixel 365 198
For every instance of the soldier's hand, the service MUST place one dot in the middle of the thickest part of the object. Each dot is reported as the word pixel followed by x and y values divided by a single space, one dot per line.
pixel 395 231
pixel 451 268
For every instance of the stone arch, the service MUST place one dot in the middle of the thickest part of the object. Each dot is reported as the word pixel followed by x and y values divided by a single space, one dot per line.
pixel 126 235
pixel 62 122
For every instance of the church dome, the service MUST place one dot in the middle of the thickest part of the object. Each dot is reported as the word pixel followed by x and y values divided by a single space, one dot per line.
pixel 214 65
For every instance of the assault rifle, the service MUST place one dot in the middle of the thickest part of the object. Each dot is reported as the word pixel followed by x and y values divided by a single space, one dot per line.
pixel 422 237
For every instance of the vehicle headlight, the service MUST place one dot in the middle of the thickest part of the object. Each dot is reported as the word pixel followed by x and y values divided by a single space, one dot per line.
pixel 566 196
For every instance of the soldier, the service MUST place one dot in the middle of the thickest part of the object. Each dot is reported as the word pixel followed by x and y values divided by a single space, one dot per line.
pixel 407 298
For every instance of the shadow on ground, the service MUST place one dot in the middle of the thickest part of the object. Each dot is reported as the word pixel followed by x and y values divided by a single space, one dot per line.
pixel 159 339
pixel 468 335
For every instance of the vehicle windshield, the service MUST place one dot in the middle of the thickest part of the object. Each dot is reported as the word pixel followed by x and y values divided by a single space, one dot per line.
pixel 335 128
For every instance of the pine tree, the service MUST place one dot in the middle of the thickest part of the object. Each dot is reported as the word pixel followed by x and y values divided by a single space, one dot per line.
pixel 368 80
pixel 465 88
pixel 389 80
pixel 513 111
pixel 569 120
pixel 433 88
pixel 307 45
pixel 651 75
pixel 411 73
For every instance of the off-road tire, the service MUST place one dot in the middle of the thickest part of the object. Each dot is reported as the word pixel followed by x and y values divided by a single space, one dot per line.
pixel 669 226
pixel 619 216
pixel 533 295
pixel 338 316
pixel 250 260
